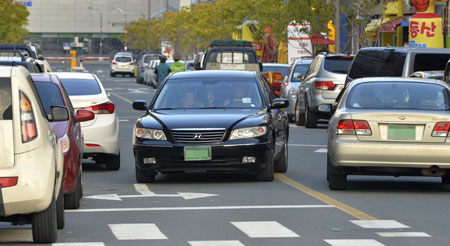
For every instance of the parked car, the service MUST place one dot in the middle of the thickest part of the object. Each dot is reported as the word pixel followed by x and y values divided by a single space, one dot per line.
pixel 396 62
pixel 198 60
pixel 292 81
pixel 122 63
pixel 101 135
pixel 274 73
pixel 212 121
pixel 27 63
pixel 31 166
pixel 389 126
pixel 323 82
pixel 438 74
pixel 142 65
pixel 52 93
pixel 29 52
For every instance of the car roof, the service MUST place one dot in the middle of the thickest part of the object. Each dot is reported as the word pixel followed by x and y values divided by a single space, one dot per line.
pixel 408 49
pixel 45 77
pixel 398 79
pixel 213 74
pixel 13 58
pixel 123 54
pixel 276 65
pixel 5 71
pixel 304 61
pixel 74 75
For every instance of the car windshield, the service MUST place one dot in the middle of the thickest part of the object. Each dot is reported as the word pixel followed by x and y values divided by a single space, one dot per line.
pixel 50 95
pixel 299 69
pixel 123 59
pixel 207 93
pixel 399 95
pixel 148 58
pixel 79 87
pixel 280 69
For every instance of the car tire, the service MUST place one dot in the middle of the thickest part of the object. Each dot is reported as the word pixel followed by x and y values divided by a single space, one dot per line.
pixel 299 117
pixel 446 178
pixel 143 177
pixel 60 203
pixel 281 165
pixel 337 180
pixel 44 224
pixel 310 118
pixel 72 200
pixel 112 74
pixel 267 173
pixel 112 162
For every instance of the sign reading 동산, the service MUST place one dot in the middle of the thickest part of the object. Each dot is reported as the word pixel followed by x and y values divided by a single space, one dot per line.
pixel 299 43
pixel 426 27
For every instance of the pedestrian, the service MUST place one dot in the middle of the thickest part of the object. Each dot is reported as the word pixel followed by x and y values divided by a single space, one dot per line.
pixel 177 66
pixel 162 70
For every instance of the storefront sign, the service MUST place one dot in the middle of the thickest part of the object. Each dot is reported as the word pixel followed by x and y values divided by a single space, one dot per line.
pixel 426 27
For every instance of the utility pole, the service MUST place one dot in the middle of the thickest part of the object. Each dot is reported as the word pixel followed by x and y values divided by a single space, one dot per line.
pixel 167 5
pixel 337 27
pixel 101 27
pixel 400 28
pixel 149 10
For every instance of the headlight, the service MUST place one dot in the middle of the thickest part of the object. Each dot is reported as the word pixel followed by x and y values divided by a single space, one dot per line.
pixel 65 144
pixel 248 132
pixel 293 93
pixel 150 134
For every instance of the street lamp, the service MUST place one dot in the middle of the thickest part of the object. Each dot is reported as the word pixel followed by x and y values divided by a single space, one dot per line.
pixel 125 20
pixel 101 27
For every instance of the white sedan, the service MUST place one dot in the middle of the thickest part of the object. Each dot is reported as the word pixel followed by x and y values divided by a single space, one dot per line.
pixel 101 135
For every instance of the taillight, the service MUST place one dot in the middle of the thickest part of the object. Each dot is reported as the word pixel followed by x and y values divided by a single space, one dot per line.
pixel 277 76
pixel 114 63
pixel 27 121
pixel 131 63
pixel 441 129
pixel 353 127
pixel 324 85
pixel 8 181
pixel 104 108
pixel 65 144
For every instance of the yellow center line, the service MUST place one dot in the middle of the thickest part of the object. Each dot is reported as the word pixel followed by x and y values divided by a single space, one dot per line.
pixel 324 198
pixel 121 97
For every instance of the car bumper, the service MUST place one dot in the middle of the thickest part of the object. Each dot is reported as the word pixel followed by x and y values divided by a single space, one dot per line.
pixel 122 70
pixel 353 153
pixel 102 136
pixel 223 158
pixel 291 107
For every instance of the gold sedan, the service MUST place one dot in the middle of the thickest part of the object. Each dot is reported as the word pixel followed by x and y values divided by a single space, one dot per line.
pixel 389 126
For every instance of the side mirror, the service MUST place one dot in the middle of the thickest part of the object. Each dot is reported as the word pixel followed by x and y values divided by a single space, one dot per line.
pixel 197 66
pixel 279 103
pixel 84 115
pixel 260 66
pixel 140 105
pixel 59 113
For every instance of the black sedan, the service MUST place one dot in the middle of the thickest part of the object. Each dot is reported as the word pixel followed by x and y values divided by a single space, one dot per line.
pixel 212 121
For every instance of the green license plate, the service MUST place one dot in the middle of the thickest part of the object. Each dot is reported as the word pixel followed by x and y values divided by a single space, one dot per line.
pixel 197 153
pixel 401 132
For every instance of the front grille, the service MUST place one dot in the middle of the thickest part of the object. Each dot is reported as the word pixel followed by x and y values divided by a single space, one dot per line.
pixel 198 136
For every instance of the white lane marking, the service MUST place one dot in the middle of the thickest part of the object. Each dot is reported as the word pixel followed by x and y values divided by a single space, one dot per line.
pixel 216 243
pixel 379 224
pixel 143 189
pixel 264 229
pixel 124 120
pixel 306 145
pixel 403 234
pixel 321 151
pixel 136 231
pixel 93 210
pixel 109 89
pixel 354 242
pixel 78 244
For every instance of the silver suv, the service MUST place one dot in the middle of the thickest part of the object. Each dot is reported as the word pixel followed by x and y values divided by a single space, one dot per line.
pixel 323 82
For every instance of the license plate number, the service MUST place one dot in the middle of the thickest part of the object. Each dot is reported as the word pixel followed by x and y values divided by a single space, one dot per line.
pixel 197 153
pixel 401 132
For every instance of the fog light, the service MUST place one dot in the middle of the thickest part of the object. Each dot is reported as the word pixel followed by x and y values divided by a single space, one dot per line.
pixel 248 159
pixel 150 160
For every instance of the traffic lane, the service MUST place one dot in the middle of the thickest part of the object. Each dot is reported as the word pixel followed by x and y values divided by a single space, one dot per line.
pixel 417 201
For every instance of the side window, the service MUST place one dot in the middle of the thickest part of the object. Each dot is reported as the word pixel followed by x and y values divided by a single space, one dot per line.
pixel 311 67
pixel 290 69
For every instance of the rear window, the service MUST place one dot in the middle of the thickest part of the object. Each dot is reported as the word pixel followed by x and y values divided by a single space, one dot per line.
pixel 147 59
pixel 279 69
pixel 430 62
pixel 337 64
pixel 399 95
pixel 299 69
pixel 377 63
pixel 50 95
pixel 5 99
pixel 79 87
pixel 231 57
pixel 123 59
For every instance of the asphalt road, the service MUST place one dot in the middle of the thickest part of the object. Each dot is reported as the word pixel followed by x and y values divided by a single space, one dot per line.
pixel 212 209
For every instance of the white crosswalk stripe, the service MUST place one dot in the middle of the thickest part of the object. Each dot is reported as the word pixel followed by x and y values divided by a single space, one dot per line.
pixel 264 229
pixel 321 151
pixel 379 224
pixel 353 242
pixel 403 234
pixel 79 244
pixel 216 243
pixel 136 232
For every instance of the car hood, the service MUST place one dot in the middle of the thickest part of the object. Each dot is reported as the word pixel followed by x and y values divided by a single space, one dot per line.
pixel 199 118
pixel 60 128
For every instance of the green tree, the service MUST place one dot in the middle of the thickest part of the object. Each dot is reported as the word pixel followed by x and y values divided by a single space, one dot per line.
pixel 142 34
pixel 13 19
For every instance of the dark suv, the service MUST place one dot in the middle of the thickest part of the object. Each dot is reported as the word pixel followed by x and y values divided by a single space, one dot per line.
pixel 323 82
